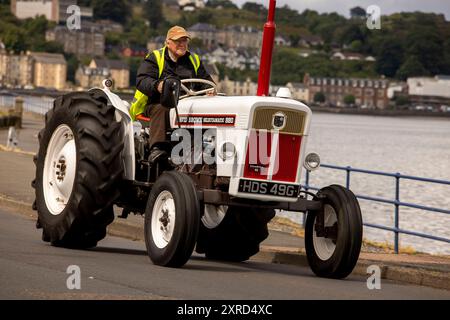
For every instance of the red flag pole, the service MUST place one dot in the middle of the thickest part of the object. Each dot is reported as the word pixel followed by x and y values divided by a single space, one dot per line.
pixel 266 51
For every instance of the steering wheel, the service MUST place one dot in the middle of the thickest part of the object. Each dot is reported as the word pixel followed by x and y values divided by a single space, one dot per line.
pixel 191 93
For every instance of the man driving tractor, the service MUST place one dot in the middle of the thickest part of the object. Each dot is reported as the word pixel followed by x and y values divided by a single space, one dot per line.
pixel 173 60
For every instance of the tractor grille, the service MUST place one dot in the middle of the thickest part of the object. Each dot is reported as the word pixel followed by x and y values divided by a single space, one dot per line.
pixel 295 120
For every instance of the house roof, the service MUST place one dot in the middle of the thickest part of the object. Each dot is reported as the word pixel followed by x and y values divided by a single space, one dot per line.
pixel 111 64
pixel 202 27
pixel 158 40
pixel 297 85
pixel 238 28
pixel 48 58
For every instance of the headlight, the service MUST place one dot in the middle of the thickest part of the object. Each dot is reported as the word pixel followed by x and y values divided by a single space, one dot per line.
pixel 312 162
pixel 227 151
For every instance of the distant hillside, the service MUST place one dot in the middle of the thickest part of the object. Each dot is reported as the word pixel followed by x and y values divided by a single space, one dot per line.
pixel 408 44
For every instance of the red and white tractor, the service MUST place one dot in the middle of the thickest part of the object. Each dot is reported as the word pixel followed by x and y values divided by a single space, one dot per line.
pixel 229 163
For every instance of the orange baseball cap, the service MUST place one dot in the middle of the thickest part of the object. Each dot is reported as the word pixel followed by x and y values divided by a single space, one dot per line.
pixel 177 32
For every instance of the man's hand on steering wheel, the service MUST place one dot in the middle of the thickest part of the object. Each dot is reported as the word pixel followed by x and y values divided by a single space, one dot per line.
pixel 211 93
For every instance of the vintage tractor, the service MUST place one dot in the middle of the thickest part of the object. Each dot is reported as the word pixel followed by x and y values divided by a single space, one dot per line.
pixel 218 198
pixel 229 163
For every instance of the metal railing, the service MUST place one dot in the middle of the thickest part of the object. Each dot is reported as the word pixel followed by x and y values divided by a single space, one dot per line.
pixel 39 105
pixel 396 202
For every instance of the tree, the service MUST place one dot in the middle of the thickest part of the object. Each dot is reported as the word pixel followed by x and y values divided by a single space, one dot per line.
pixel 390 57
pixel 319 97
pixel 154 13
pixel 349 100
pixel 115 10
pixel 401 101
pixel 255 7
pixel 410 68
pixel 14 39
pixel 426 44
pixel 358 12
pixel 72 66
pixel 352 33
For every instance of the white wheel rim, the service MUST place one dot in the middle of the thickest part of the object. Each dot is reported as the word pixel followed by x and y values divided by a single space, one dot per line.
pixel 325 247
pixel 59 169
pixel 163 219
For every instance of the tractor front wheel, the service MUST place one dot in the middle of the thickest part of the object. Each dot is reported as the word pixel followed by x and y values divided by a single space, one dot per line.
pixel 172 220
pixel 333 236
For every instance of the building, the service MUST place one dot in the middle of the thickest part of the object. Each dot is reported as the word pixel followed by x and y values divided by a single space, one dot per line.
pixel 370 93
pixel 205 32
pixel 308 41
pixel 15 70
pixel 53 10
pixel 87 77
pixel 134 52
pixel 241 36
pixel 438 86
pixel 119 70
pixel 235 58
pixel 89 40
pixel 299 91
pixel 156 43
pixel 282 41
pixel 238 88
pixel 351 56
pixel 49 70
pixel 191 5
pixel 39 69
pixel 429 91
pixel 24 9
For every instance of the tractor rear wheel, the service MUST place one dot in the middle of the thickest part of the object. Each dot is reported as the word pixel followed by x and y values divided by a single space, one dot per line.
pixel 78 170
pixel 238 236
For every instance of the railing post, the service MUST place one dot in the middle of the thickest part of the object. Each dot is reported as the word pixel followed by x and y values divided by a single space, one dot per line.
pixel 397 206
pixel 347 183
pixel 18 112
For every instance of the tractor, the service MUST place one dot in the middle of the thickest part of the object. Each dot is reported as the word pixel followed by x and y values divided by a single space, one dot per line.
pixel 229 163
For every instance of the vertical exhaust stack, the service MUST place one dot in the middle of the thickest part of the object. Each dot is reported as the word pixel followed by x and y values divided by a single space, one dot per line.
pixel 266 51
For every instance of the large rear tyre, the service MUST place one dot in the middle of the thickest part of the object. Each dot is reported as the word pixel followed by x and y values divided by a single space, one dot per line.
pixel 78 170
pixel 238 236
pixel 172 220
pixel 333 250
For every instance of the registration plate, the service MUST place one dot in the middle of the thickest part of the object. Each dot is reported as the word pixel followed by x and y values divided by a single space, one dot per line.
pixel 269 188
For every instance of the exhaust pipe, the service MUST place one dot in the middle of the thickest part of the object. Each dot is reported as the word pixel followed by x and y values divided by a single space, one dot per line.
pixel 267 51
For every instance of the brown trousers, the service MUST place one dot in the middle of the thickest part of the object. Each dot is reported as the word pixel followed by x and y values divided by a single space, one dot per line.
pixel 159 123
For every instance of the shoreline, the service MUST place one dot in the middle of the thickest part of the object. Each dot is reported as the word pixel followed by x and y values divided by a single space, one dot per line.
pixel 381 113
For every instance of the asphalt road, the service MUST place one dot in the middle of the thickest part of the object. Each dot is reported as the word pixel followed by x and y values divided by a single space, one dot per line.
pixel 120 269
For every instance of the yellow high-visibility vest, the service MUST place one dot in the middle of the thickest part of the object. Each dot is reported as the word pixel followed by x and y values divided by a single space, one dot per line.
pixel 140 99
